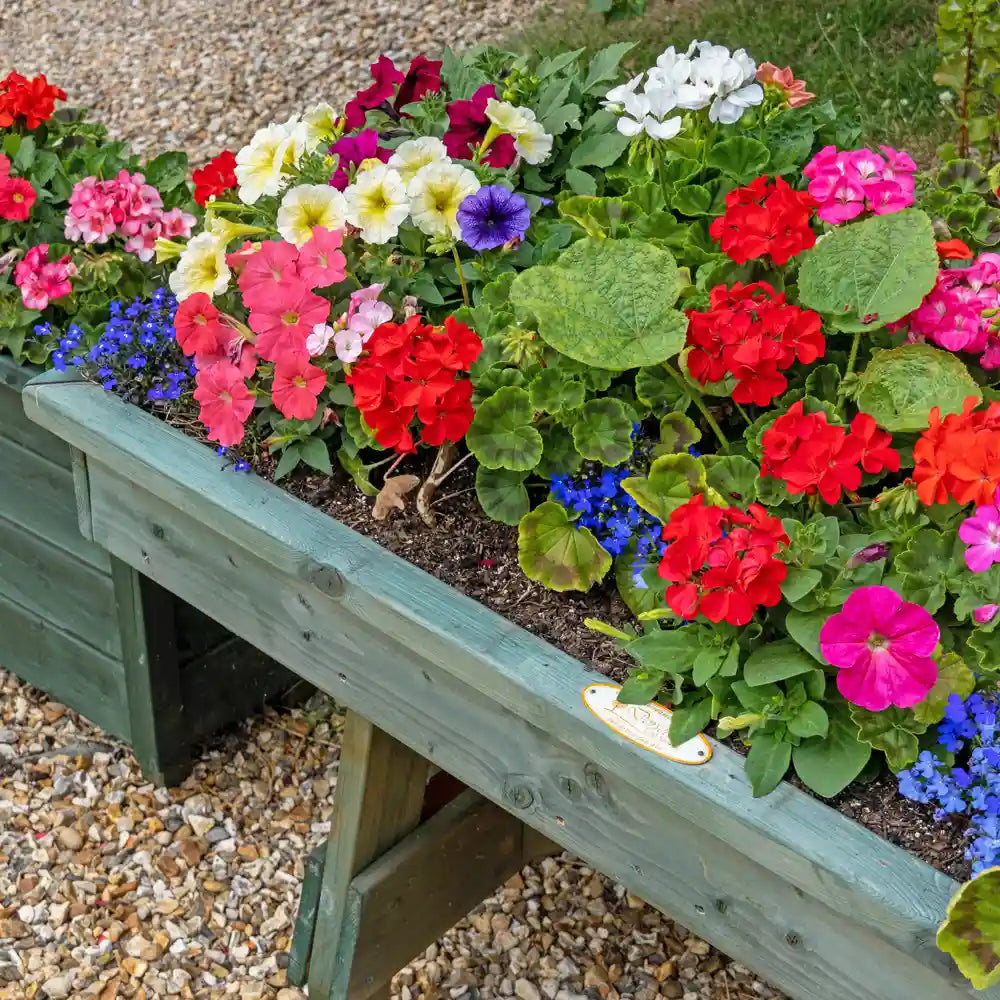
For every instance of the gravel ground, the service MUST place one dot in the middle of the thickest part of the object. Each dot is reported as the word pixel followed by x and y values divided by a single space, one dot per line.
pixel 201 75
pixel 110 888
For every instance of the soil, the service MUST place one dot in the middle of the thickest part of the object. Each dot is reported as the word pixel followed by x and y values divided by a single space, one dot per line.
pixel 479 558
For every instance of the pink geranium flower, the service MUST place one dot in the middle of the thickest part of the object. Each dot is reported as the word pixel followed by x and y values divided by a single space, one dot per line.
pixel 981 532
pixel 41 280
pixel 321 262
pixel 226 403
pixel 848 182
pixel 882 645
pixel 268 272
pixel 297 384
pixel 284 321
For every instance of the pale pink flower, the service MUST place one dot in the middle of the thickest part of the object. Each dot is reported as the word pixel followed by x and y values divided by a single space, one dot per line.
pixel 319 340
pixel 348 344
pixel 882 646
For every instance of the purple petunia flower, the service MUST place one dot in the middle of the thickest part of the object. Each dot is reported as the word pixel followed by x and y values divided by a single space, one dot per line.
pixel 492 217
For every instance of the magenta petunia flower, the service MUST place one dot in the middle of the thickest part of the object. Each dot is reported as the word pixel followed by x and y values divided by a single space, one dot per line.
pixel 985 613
pixel 882 645
pixel 981 532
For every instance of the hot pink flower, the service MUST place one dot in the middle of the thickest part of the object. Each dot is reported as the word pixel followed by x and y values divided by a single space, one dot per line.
pixel 882 645
pixel 297 384
pixel 985 613
pixel 225 402
pixel 268 273
pixel 321 262
pixel 848 182
pixel 4 167
pixel 981 532
pixel 284 321
pixel 42 280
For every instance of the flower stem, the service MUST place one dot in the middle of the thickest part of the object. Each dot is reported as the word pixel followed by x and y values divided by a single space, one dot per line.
pixel 461 277
pixel 854 353
pixel 699 402
pixel 743 413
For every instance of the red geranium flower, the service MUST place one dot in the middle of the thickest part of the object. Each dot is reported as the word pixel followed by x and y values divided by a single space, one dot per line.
pixel 765 219
pixel 33 101
pixel 468 127
pixel 215 178
pixel 16 198
pixel 385 76
pixel 955 249
pixel 423 77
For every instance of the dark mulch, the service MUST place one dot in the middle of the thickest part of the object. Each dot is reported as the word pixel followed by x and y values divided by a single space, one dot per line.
pixel 479 557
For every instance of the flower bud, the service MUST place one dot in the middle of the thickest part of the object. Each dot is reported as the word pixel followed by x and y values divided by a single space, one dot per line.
pixel 869 554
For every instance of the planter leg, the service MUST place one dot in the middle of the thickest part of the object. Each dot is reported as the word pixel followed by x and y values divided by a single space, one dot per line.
pixel 379 797
pixel 159 737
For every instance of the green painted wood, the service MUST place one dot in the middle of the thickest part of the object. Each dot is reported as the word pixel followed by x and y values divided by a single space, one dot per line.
pixel 786 885
pixel 305 921
pixel 14 426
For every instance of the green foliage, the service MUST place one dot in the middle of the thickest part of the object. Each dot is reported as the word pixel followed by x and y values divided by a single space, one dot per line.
pixel 603 431
pixel 608 304
pixel 970 932
pixel 900 386
pixel 829 764
pixel 502 494
pixel 502 435
pixel 553 551
pixel 870 273
pixel 671 482
pixel 893 731
pixel 954 677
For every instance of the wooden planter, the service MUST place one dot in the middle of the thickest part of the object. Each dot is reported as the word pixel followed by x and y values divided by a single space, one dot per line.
pixel 91 631
pixel 815 903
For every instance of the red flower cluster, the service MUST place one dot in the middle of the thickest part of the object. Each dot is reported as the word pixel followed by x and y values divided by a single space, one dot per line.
pixel 32 101
pixel 753 334
pixel 811 455
pixel 958 458
pixel 721 561
pixel 468 127
pixel 423 77
pixel 765 219
pixel 16 194
pixel 215 178
pixel 413 368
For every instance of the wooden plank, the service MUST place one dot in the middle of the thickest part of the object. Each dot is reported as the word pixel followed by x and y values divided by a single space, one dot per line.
pixel 380 791
pixel 305 921
pixel 58 587
pixel 81 491
pixel 14 376
pixel 40 496
pixel 15 426
pixel 76 674
pixel 501 710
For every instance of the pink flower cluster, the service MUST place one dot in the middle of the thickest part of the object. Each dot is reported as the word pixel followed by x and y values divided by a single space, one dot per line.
pixel 126 206
pixel 41 279
pixel 277 283
pixel 849 182
pixel 354 328
pixel 952 313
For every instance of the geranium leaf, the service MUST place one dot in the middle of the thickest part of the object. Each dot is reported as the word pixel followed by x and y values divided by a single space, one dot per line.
pixel 659 390
pixel 741 158
pixel 894 731
pixel 734 478
pixel 672 481
pixel 501 435
pixel 502 495
pixel 971 930
pixel 603 431
pixel 829 764
pixel 767 763
pixel 555 552
pixel 599 217
pixel 692 199
pixel 551 391
pixel 870 273
pixel 606 303
pixel 899 387
pixel 677 433
pixel 954 677
pixel 777 661
pixel 559 454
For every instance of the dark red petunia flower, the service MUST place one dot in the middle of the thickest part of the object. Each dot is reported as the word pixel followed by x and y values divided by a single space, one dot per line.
pixel 423 77
pixel 468 127
pixel 386 77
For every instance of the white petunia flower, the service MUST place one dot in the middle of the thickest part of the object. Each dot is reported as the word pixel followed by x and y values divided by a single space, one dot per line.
pixel 508 117
pixel 377 203
pixel 307 206
pixel 321 122
pixel 259 164
pixel 201 267
pixel 436 192
pixel 534 144
pixel 413 154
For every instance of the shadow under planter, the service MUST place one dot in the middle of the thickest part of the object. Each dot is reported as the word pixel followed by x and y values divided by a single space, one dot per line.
pixel 93 632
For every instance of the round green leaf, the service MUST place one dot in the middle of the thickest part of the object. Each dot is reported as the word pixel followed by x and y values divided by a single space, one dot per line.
pixel 502 494
pixel 658 389
pixel 734 478
pixel 552 391
pixel 971 930
pixel 672 481
pixel 559 454
pixel 741 158
pixel 870 273
pixel 894 731
pixel 603 431
pixel 954 677
pixel 899 387
pixel 606 303
pixel 556 553
pixel 677 433
pixel 501 435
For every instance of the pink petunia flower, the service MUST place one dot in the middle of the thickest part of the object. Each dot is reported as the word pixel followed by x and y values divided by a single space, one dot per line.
pixel 284 321
pixel 226 403
pixel 321 262
pixel 882 646
pixel 981 532
pixel 199 330
pixel 296 388
pixel 985 613
pixel 269 272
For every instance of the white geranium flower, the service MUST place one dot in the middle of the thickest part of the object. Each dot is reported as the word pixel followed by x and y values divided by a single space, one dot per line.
pixel 648 112
pixel 616 97
pixel 672 67
pixel 201 267
pixel 259 164
pixel 436 192
pixel 413 154
pixel 377 203
pixel 729 109
pixel 307 206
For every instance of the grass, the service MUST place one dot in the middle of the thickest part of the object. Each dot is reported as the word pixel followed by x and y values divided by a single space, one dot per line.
pixel 877 56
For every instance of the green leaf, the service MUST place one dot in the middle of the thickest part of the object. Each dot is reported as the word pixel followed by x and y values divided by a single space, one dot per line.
pixel 706 665
pixel 741 158
pixel 894 731
pixel 672 481
pixel 552 391
pixel 811 720
pixel 659 390
pixel 606 303
pixel 799 582
pixel 289 461
pixel 603 431
pixel 640 688
pixel 692 199
pixel 870 273
pixel 971 930
pixel 556 553
pixel 341 395
pixel 668 650
pixel 25 154
pixel 767 763
pixel 954 677
pixel 167 171
pixel 899 387
pixel 599 217
pixel 315 453
pixel 829 764
pixel 502 495
pixel 639 599
pixel 734 478
pixel 559 454
pixel 501 435
pixel 777 661
pixel 804 627
pixel 677 433
pixel 604 65
pixel 357 470
pixel 580 182
pixel 932 565
pixel 688 720
pixel 600 150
